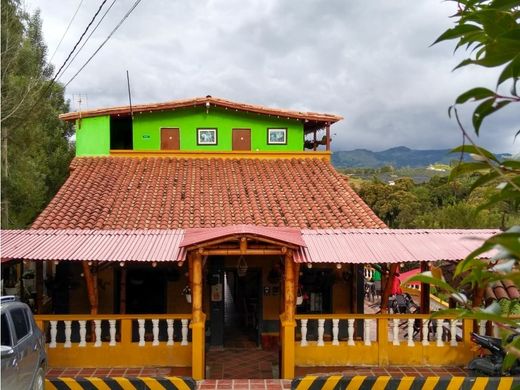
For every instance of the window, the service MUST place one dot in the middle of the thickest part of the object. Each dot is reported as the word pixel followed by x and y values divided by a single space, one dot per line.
pixel 6 334
pixel 277 136
pixel 20 322
pixel 206 136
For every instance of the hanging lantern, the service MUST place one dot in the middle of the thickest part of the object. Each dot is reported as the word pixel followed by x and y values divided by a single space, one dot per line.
pixel 241 266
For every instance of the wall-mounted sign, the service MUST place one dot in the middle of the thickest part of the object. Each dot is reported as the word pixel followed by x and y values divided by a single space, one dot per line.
pixel 146 136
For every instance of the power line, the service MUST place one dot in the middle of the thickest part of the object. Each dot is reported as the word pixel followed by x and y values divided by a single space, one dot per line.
pixel 66 30
pixel 87 39
pixel 105 41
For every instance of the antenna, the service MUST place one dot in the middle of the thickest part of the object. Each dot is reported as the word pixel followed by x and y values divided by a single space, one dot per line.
pixel 129 94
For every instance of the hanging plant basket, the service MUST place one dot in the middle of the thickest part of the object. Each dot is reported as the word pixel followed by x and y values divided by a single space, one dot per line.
pixel 299 297
pixel 187 293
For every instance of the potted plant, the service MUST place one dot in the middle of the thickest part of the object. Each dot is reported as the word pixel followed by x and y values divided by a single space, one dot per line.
pixel 187 293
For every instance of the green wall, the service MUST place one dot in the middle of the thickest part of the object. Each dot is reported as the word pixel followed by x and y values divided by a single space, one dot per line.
pixel 147 133
pixel 93 136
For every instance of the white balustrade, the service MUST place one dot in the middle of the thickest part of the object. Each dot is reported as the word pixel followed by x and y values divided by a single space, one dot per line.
pixel 82 333
pixel 54 332
pixel 184 332
pixel 68 333
pixel 482 327
pixel 366 335
pixel 438 332
pixel 395 332
pixel 155 331
pixel 321 330
pixel 425 331
pixel 140 323
pixel 112 325
pixel 453 332
pixel 97 332
pixel 350 341
pixel 410 332
pixel 303 341
pixel 335 331
pixel 169 324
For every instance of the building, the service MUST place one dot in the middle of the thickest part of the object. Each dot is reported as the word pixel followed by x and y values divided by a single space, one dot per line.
pixel 172 210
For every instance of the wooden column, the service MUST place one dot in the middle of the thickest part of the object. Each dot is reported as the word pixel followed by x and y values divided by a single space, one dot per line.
pixel 288 323
pixel 39 287
pixel 425 291
pixel 89 279
pixel 315 141
pixel 290 301
pixel 388 287
pixel 327 131
pixel 196 293
pixel 122 291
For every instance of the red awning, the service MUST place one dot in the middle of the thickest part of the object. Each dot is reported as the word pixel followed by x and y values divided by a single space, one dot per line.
pixel 92 245
pixel 367 246
pixel 282 235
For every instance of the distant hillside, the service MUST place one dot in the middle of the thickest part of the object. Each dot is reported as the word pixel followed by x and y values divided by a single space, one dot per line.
pixel 398 157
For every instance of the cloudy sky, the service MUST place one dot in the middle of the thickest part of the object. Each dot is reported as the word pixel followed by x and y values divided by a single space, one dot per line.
pixel 369 61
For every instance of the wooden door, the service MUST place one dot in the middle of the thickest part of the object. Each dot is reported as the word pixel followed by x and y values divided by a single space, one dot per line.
pixel 241 139
pixel 170 139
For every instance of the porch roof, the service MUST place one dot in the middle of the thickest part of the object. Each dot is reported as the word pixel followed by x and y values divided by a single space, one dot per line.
pixel 389 245
pixel 314 246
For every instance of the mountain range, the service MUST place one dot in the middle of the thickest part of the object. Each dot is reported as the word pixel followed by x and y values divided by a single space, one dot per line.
pixel 398 157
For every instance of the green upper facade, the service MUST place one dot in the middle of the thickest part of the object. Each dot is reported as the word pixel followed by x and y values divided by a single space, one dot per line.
pixel 200 124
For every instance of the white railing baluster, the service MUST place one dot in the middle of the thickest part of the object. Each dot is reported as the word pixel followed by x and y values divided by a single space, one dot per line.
pixel 366 335
pixel 184 323
pixel 303 341
pixel 395 332
pixel 335 331
pixel 453 332
pixel 321 330
pixel 140 323
pixel 410 332
pixel 351 332
pixel 54 332
pixel 169 323
pixel 482 327
pixel 155 331
pixel 68 333
pixel 82 333
pixel 112 325
pixel 440 343
pixel 97 332
pixel 425 332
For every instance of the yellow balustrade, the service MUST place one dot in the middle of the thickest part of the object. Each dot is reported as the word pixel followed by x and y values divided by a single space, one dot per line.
pixel 386 340
pixel 83 340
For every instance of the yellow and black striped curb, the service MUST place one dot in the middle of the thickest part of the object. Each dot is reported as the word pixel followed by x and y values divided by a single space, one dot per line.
pixel 339 382
pixel 121 383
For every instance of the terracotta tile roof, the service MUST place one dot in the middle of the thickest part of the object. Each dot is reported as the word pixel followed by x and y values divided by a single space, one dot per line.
pixel 171 193
pixel 201 101
pixel 502 289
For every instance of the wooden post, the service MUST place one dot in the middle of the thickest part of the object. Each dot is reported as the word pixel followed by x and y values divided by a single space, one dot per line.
pixel 196 293
pixel 388 287
pixel 327 131
pixel 296 279
pixel 290 301
pixel 39 287
pixel 288 322
pixel 315 141
pixel 122 292
pixel 89 279
pixel 198 365
pixel 425 291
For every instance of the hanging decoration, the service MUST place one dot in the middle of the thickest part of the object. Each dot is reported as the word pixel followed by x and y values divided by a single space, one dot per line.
pixel 241 266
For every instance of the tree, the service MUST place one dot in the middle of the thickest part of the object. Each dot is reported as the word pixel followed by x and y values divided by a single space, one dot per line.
pixel 35 148
pixel 489 30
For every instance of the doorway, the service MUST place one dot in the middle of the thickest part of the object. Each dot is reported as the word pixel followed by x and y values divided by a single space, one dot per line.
pixel 145 291
pixel 242 308
pixel 241 139
pixel 170 139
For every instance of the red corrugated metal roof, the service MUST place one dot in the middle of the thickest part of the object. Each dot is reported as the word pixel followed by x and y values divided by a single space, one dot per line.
pixel 389 245
pixel 95 245
pixel 290 236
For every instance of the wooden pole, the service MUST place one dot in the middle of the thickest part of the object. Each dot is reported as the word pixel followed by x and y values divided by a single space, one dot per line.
pixel 315 142
pixel 327 128
pixel 197 287
pixel 89 279
pixel 425 291
pixel 122 291
pixel 388 287
pixel 289 287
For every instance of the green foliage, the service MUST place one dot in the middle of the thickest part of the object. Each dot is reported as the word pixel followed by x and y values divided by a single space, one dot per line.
pixel 35 147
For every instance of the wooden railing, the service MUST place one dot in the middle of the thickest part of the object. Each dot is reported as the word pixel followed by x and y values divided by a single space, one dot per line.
pixel 117 340
pixel 381 340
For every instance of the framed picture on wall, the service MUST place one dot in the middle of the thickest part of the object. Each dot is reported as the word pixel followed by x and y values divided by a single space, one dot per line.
pixel 206 136
pixel 277 136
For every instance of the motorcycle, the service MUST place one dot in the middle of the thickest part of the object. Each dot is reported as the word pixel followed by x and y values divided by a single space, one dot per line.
pixel 490 364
